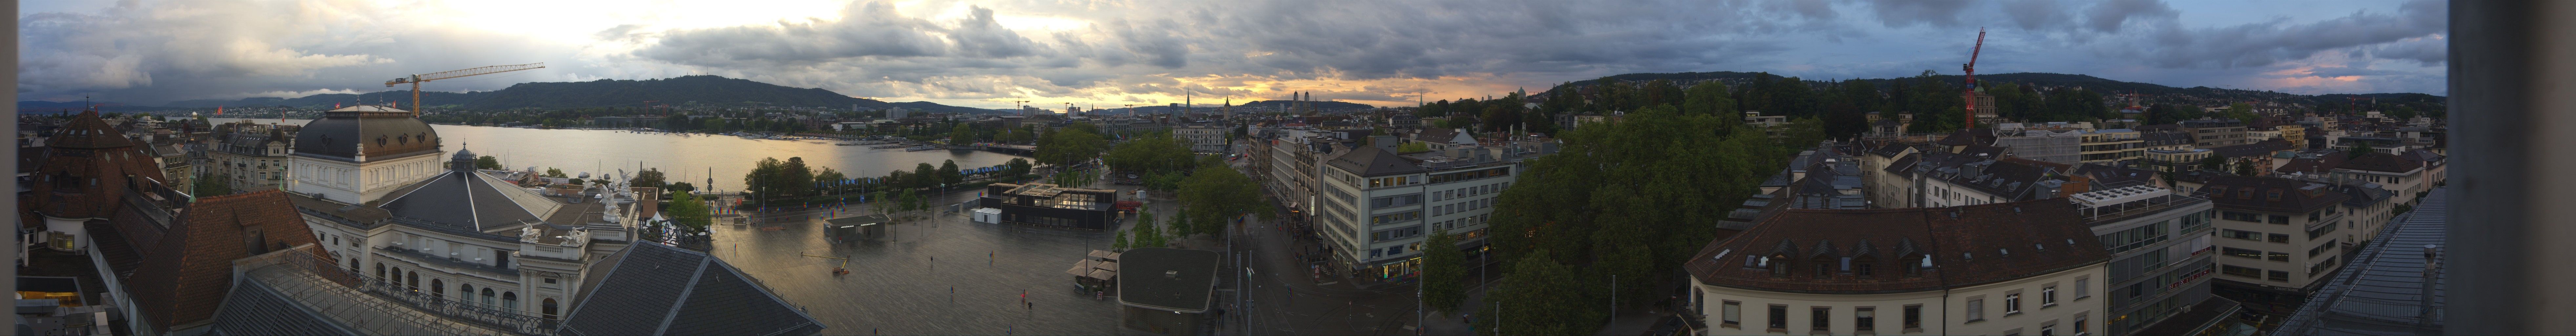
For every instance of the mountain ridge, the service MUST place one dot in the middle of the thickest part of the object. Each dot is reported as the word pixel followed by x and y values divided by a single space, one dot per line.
pixel 705 89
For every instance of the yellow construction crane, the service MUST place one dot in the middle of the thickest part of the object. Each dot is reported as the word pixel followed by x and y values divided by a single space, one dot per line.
pixel 415 80
pixel 1020 104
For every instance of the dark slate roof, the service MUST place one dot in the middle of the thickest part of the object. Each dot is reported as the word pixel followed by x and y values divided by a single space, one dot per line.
pixel 1984 151
pixel 2255 194
pixel 1964 137
pixel 2381 162
pixel 1890 149
pixel 2320 164
pixel 1969 246
pixel 471 200
pixel 254 309
pixel 385 132
pixel 2113 177
pixel 2259 148
pixel 2008 179
pixel 2363 195
pixel 1369 161
pixel 2382 290
pixel 655 289
pixel 1144 283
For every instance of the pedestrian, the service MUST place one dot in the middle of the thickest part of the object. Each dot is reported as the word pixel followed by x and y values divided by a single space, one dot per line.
pixel 1032 305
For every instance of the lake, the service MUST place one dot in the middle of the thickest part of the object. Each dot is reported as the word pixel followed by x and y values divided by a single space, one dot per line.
pixel 684 158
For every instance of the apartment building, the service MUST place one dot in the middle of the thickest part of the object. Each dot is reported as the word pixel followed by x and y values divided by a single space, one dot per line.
pixel 2112 146
pixel 2160 248
pixel 1377 207
pixel 1204 138
pixel 2210 132
pixel 2274 238
pixel 1894 272
pixel 251 156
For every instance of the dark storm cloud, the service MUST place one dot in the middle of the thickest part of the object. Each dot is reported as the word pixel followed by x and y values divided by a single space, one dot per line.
pixel 1388 50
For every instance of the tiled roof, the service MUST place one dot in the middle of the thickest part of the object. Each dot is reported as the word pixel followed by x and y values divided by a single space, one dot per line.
pixel 2256 194
pixel 2322 163
pixel 655 289
pixel 2109 176
pixel 1969 245
pixel 97 161
pixel 184 277
pixel 1964 137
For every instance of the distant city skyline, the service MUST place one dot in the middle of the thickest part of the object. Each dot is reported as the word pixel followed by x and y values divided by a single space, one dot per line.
pixel 1155 53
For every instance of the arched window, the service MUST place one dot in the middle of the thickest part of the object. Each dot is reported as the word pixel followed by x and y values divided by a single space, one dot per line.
pixel 1824 266
pixel 1861 265
pixel 510 301
pixel 549 306
pixel 437 289
pixel 414 282
pixel 465 293
pixel 380 272
pixel 353 266
pixel 487 296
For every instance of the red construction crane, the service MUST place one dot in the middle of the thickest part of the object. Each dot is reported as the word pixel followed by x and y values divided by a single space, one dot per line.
pixel 1971 69
pixel 415 80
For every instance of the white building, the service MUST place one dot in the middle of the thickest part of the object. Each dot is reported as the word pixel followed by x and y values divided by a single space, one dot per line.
pixel 1378 207
pixel 2275 237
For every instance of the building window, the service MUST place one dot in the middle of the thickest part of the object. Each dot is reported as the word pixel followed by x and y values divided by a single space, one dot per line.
pixel 510 301
pixel 2278 256
pixel 1976 310
pixel 2082 288
pixel 1779 265
pixel 2278 275
pixel 2279 238
pixel 2048 297
pixel 1821 320
pixel 2279 219
pixel 549 306
pixel 465 293
pixel 2012 304
pixel 1733 315
pixel 1913 318
pixel 1865 319
pixel 2241 253
pixel 1779 318
pixel 413 283
pixel 2079 323
pixel 2241 234
pixel 437 289
pixel 2241 271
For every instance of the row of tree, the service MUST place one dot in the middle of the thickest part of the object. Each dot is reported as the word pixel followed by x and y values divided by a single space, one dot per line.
pixel 1625 200
pixel 777 180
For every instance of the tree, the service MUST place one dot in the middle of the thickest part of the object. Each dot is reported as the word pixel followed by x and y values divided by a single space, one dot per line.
pixel 488 162
pixel 1017 167
pixel 1444 273
pixel 687 210
pixel 949 174
pixel 1655 165
pixel 795 179
pixel 214 185
pixel 763 178
pixel 2359 148
pixel 961 135
pixel 552 172
pixel 2213 162
pixel 651 178
pixel 926 176
pixel 1217 193
pixel 832 181
pixel 1413 146
pixel 1543 297
pixel 1071 146
pixel 680 187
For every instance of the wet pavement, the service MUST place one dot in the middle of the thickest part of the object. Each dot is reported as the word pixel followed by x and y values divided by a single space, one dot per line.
pixel 901 284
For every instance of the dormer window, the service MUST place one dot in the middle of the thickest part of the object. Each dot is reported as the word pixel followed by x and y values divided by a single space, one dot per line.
pixel 2274 195
pixel 1779 264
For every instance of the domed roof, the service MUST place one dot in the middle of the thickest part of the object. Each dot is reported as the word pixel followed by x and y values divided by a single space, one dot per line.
pixel 464 155
pixel 384 131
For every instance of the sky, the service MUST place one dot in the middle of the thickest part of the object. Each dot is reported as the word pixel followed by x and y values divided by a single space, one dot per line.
pixel 1111 53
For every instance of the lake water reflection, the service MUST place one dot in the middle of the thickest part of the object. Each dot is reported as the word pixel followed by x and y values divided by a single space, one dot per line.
pixel 683 158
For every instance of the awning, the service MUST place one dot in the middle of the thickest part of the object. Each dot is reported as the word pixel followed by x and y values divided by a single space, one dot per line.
pixel 1104 255
pixel 1104 275
pixel 1080 269
pixel 1106 266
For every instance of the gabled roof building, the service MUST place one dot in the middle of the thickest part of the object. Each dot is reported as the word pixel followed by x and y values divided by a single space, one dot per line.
pixel 2002 268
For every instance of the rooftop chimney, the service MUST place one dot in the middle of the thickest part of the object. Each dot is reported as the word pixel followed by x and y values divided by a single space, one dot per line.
pixel 2432 276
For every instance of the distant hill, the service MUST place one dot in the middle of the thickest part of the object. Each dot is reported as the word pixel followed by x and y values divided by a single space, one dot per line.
pixel 2088 82
pixel 702 89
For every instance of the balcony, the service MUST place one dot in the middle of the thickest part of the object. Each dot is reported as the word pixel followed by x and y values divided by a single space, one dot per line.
pixel 451 262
